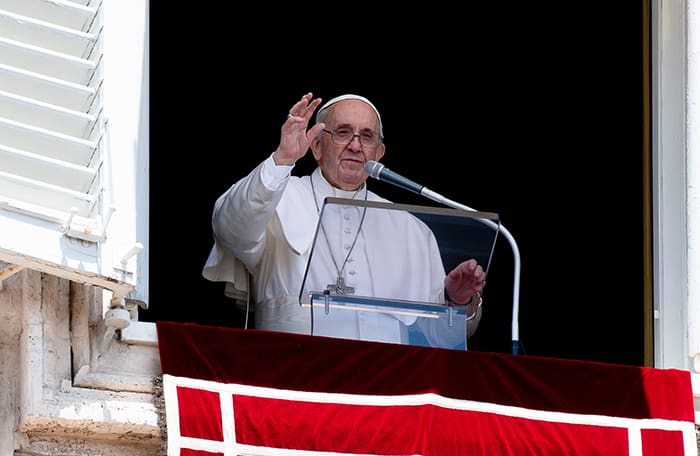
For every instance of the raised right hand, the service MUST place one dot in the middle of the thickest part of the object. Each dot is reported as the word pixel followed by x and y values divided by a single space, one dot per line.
pixel 295 140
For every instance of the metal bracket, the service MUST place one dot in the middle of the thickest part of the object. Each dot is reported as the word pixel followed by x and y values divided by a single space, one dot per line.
pixel 88 233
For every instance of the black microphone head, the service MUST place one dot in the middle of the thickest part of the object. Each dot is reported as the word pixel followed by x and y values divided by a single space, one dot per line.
pixel 373 168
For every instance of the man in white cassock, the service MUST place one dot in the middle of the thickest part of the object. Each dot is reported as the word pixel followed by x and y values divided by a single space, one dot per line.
pixel 264 227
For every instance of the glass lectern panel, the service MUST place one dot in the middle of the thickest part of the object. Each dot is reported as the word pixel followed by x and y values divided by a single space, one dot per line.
pixel 376 271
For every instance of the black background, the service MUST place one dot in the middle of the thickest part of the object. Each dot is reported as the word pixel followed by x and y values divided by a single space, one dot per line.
pixel 533 112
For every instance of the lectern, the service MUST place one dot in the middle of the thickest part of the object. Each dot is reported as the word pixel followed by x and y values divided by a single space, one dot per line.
pixel 376 270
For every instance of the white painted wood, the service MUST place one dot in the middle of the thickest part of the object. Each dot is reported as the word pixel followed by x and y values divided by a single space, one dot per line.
pixel 35 113
pixel 44 61
pixel 59 12
pixel 669 184
pixel 693 170
pixel 46 34
pixel 48 170
pixel 48 89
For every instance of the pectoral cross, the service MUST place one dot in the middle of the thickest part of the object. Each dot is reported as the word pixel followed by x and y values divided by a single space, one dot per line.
pixel 340 288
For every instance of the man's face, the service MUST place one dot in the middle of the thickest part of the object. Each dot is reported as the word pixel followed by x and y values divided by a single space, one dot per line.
pixel 343 165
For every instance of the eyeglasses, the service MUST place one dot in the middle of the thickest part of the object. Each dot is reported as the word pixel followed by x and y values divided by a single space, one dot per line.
pixel 344 136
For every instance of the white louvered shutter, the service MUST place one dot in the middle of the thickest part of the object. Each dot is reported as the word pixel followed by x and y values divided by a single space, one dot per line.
pixel 56 192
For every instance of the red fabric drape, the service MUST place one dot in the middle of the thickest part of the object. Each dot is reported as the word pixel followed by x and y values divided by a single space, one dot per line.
pixel 263 390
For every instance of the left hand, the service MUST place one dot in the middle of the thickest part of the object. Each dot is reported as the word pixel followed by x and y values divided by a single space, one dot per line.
pixel 464 281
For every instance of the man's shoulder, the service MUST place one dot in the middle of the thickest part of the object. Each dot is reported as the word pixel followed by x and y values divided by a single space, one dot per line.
pixel 299 184
pixel 297 191
pixel 374 197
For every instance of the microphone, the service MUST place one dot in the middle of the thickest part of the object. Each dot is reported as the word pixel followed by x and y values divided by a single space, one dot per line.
pixel 381 172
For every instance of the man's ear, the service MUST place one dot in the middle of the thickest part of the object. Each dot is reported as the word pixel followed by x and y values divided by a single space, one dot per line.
pixel 380 151
pixel 316 148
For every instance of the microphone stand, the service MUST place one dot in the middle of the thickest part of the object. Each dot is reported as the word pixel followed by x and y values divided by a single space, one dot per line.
pixel 516 259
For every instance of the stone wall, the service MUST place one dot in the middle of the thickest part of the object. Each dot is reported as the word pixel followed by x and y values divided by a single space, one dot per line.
pixel 68 385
